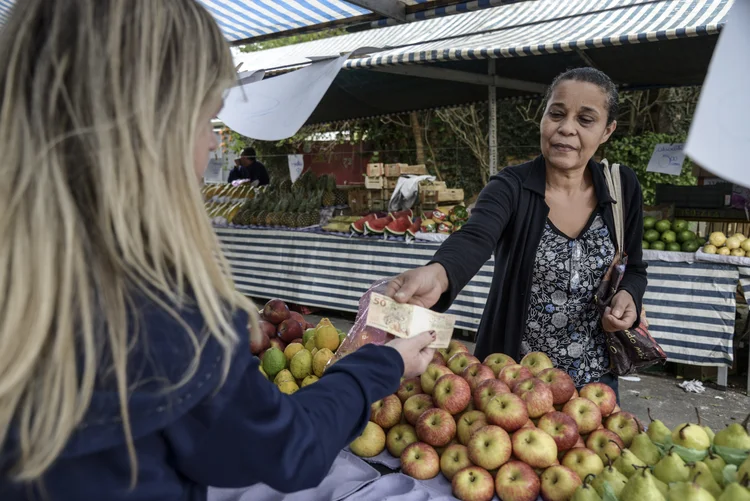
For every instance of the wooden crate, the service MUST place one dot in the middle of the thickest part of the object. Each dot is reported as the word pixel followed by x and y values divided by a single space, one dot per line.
pixel 359 200
pixel 414 170
pixel 391 183
pixel 394 170
pixel 375 170
pixel 428 196
pixel 456 195
pixel 374 183
pixel 387 194
pixel 379 205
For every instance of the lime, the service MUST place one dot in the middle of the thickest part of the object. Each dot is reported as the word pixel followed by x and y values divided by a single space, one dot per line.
pixel 645 245
pixel 691 246
pixel 663 225
pixel 274 361
pixel 673 247
pixel 651 236
pixel 679 225
pixel 649 222
pixel 658 245
pixel 668 237
pixel 685 236
pixel 342 336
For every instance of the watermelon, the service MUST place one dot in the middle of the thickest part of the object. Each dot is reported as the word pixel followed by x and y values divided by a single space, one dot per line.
pixel 404 213
pixel 414 228
pixel 399 226
pixel 359 226
pixel 377 226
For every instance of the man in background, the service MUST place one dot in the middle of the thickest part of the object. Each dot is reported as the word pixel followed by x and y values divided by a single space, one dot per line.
pixel 247 167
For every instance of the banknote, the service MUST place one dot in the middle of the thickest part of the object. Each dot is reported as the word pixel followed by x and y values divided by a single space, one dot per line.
pixel 406 320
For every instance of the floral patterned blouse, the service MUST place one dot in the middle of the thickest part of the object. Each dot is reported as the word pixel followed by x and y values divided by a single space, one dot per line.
pixel 562 319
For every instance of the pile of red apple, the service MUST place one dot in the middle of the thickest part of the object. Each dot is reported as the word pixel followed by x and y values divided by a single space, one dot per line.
pixel 516 429
pixel 280 327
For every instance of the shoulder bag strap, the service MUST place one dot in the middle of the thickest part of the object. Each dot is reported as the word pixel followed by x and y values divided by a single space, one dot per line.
pixel 612 174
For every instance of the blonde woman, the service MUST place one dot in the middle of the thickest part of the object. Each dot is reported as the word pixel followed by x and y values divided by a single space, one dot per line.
pixel 124 365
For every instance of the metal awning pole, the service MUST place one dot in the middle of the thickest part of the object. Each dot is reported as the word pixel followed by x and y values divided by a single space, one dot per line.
pixel 492 98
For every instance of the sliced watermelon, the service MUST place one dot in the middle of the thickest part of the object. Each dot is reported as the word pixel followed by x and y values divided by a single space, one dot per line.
pixel 377 226
pixel 359 226
pixel 414 228
pixel 404 213
pixel 399 226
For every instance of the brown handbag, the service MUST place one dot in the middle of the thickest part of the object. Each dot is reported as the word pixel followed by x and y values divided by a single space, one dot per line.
pixel 635 348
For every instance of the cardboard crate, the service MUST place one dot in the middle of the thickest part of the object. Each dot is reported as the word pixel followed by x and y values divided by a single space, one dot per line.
pixel 374 183
pixel 456 195
pixel 375 170
pixel 414 170
pixel 391 183
pixel 394 170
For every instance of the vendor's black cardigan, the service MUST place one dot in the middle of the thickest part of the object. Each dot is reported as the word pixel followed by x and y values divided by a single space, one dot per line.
pixel 509 220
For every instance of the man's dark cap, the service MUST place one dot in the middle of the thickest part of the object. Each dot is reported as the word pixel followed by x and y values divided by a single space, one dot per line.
pixel 249 152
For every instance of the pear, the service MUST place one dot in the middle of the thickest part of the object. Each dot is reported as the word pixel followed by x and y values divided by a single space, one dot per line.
pixel 614 478
pixel 744 469
pixel 691 436
pixel 707 429
pixel 735 492
pixel 671 468
pixel 701 475
pixel 645 450
pixel 657 430
pixel 627 462
pixel 688 491
pixel 641 487
pixel 716 465
pixel 735 436
pixel 585 492
pixel 663 488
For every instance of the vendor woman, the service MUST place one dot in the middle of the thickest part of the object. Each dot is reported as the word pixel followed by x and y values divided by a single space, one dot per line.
pixel 549 224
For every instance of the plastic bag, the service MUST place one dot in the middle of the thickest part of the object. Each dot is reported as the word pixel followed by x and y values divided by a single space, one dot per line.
pixel 360 334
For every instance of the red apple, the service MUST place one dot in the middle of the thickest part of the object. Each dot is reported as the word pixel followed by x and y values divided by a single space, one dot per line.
pixel 451 393
pixel 399 438
pixel 289 330
pixel 529 424
pixel 602 395
pixel 468 423
pixel 415 406
pixel 535 448
pixel 268 329
pixel 487 390
pixel 498 361
pixel 583 461
pixel 298 340
pixel 473 484
pixel 537 361
pixel 507 411
pixel 386 412
pixel 559 483
pixel 490 447
pixel 436 427
pixel 561 428
pixel 606 444
pixel 517 481
pixel 276 311
pixel 256 348
pixel 408 388
pixel 278 343
pixel 430 376
pixel 560 383
pixel 585 413
pixel 537 395
pixel 454 459
pixel 475 374
pixel 513 374
pixel 438 359
pixel 460 361
pixel 454 346
pixel 420 461
pixel 580 442
pixel 300 319
pixel 625 425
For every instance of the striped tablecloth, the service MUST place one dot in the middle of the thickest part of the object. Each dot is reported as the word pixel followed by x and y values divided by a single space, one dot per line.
pixel 690 306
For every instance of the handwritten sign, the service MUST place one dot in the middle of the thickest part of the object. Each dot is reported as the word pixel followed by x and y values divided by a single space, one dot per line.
pixel 667 159
pixel 296 164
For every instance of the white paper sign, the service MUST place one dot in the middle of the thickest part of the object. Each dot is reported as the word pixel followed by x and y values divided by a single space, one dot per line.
pixel 214 172
pixel 296 164
pixel 667 159
pixel 719 138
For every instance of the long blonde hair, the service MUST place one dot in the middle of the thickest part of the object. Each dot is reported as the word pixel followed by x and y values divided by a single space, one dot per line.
pixel 99 108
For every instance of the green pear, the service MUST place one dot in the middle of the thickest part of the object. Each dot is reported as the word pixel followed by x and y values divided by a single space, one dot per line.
pixel 657 430
pixel 614 478
pixel 671 468
pixel 735 436
pixel 627 462
pixel 735 492
pixel 641 487
pixel 688 491
pixel 701 475
pixel 645 449
pixel 691 436
pixel 744 470
pixel 708 430
pixel 663 488
pixel 716 465
pixel 585 492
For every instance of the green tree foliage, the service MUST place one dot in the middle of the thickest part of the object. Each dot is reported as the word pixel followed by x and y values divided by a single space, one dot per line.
pixel 274 43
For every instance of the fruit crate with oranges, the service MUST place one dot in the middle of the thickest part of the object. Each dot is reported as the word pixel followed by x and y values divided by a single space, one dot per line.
pixel 501 429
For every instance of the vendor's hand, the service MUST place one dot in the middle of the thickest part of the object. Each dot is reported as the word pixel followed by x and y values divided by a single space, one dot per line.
pixel 621 313
pixel 420 286
pixel 414 352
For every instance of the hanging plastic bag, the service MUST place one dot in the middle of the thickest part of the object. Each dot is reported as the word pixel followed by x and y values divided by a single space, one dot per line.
pixel 361 334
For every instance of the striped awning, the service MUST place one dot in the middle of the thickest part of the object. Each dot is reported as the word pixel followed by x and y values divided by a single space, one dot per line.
pixel 520 29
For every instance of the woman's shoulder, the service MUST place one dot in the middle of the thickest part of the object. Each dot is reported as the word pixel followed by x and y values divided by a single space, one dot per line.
pixel 517 173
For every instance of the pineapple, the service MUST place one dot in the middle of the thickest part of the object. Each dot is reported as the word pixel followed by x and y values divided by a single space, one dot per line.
pixel 289 216
pixel 312 217
pixel 329 197
pixel 302 214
